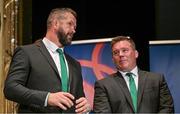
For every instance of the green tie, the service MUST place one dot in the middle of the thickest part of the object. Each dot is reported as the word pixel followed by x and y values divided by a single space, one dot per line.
pixel 64 76
pixel 133 90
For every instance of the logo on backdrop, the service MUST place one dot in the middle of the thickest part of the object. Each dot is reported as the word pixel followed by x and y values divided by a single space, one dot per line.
pixel 96 63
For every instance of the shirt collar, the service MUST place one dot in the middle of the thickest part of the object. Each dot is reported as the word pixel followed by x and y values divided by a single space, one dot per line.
pixel 134 71
pixel 50 45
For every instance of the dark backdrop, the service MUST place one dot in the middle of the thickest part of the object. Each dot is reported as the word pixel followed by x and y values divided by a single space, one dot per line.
pixel 97 19
pixel 167 19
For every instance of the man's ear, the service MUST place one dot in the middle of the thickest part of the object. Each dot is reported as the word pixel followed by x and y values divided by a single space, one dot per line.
pixel 136 54
pixel 55 24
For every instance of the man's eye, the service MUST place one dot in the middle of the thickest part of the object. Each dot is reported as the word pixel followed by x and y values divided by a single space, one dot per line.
pixel 115 52
pixel 125 50
pixel 70 23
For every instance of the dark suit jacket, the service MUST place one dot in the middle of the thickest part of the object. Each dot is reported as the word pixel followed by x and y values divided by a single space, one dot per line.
pixel 33 74
pixel 112 95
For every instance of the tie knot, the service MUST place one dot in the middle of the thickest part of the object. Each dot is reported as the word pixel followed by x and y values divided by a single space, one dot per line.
pixel 129 74
pixel 59 51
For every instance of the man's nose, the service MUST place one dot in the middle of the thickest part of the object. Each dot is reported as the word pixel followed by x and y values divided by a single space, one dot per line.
pixel 74 31
pixel 120 53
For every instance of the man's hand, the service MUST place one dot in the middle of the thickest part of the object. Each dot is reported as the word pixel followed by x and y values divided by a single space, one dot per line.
pixel 61 99
pixel 82 105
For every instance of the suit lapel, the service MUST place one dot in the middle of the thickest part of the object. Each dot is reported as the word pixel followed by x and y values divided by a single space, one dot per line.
pixel 141 84
pixel 47 55
pixel 122 84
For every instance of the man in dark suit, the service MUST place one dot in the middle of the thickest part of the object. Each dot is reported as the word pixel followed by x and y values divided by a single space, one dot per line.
pixel 131 90
pixel 35 78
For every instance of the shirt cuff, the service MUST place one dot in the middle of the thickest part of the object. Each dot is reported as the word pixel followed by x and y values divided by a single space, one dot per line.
pixel 45 103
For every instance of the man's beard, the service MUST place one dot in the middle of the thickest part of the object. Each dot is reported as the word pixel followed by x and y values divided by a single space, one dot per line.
pixel 63 38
